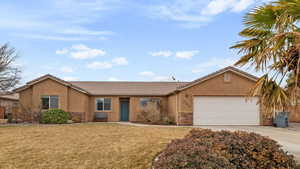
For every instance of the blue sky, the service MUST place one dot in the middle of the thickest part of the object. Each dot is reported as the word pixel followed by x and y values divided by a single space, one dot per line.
pixel 144 40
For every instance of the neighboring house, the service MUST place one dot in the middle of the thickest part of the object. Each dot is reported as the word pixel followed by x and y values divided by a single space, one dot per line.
pixel 9 103
pixel 216 99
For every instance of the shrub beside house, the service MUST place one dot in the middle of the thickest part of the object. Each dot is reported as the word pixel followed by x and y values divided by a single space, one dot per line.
pixel 223 149
pixel 55 116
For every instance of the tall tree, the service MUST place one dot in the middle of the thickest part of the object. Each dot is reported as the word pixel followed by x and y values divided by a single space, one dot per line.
pixel 9 74
pixel 272 45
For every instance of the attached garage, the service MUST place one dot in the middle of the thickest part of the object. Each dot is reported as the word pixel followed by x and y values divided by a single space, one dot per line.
pixel 225 110
pixel 220 99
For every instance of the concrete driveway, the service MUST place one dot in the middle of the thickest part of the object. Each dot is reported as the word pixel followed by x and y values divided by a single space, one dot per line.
pixel 289 137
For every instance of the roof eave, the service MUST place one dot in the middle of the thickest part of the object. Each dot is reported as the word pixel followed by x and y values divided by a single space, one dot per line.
pixel 48 76
pixel 214 74
pixel 129 95
pixel 6 98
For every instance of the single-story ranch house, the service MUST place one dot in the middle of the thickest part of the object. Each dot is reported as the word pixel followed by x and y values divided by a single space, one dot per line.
pixel 216 99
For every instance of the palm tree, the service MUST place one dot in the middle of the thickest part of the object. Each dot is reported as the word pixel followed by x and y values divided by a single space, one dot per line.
pixel 272 45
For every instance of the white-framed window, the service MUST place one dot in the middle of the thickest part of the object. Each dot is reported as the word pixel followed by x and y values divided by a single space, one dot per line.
pixel 50 102
pixel 103 104
pixel 145 101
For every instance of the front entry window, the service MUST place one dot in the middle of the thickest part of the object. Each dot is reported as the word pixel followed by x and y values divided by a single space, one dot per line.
pixel 144 102
pixel 50 102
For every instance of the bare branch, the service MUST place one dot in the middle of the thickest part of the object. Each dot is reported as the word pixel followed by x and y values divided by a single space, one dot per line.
pixel 9 74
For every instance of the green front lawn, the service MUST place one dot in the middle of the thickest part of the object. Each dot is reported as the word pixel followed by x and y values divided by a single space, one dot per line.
pixel 90 145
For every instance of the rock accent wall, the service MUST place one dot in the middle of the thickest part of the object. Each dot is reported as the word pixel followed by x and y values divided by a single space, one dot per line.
pixel 77 117
pixel 185 118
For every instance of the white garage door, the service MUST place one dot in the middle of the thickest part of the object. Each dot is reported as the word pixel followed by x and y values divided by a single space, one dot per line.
pixel 225 111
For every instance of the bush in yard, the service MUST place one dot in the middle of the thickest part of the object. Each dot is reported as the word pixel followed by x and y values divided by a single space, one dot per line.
pixel 55 116
pixel 206 149
pixel 150 113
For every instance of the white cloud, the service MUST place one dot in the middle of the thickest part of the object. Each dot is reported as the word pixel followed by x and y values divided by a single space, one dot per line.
pixel 81 51
pixel 152 76
pixel 162 78
pixel 66 69
pixel 80 47
pixel 106 64
pixel 166 53
pixel 120 61
pixel 84 31
pixel 54 19
pixel 70 78
pixel 214 63
pixel 180 10
pixel 218 6
pixel 50 37
pixel 186 54
pixel 113 79
pixel 147 73
pixel 242 5
pixel 195 13
pixel 62 51
pixel 86 8
pixel 99 65
pixel 178 54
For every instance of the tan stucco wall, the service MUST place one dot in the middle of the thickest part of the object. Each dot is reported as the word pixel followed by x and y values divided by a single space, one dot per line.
pixel 135 107
pixel 113 115
pixel 70 100
pixel 25 98
pixel 172 107
pixel 238 86
pixel 177 106
pixel 78 103
pixel 50 87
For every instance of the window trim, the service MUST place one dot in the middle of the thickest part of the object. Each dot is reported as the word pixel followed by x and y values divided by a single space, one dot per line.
pixel 96 107
pixel 44 96
pixel 144 99
pixel 150 99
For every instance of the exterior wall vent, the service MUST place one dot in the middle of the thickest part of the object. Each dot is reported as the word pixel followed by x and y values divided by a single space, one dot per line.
pixel 227 77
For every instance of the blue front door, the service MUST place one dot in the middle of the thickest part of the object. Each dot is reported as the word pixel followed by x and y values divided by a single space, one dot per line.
pixel 124 106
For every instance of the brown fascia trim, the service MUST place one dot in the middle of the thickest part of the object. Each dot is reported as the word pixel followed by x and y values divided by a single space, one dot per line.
pixel 212 75
pixel 5 98
pixel 48 76
pixel 129 95
pixel 21 88
pixel 173 92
